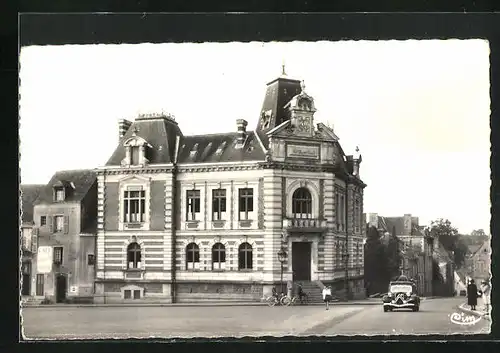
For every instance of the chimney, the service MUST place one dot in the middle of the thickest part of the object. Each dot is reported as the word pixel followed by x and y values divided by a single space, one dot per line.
pixel 123 126
pixel 242 132
pixel 373 219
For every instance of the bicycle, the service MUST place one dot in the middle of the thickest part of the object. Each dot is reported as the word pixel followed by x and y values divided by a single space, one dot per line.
pixel 273 300
pixel 292 301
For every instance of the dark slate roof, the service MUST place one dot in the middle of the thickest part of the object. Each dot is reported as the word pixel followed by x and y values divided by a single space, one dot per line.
pixel 29 194
pixel 82 180
pixel 473 249
pixel 278 93
pixel 389 223
pixel 159 132
pixel 219 148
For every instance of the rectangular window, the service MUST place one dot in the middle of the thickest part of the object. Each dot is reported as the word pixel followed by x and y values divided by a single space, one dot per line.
pixel 193 205
pixel 58 255
pixel 59 194
pixel 134 155
pixel 245 203
pixel 43 221
pixel 127 294
pixel 91 259
pixel 39 284
pixel 134 206
pixel 218 204
pixel 137 294
pixel 58 224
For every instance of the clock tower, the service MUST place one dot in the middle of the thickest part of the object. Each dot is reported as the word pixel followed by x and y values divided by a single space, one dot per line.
pixel 302 111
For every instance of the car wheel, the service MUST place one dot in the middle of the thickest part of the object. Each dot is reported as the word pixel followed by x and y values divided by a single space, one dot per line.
pixel 386 309
pixel 416 308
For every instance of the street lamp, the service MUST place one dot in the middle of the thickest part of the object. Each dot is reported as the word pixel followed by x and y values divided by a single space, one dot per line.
pixel 282 255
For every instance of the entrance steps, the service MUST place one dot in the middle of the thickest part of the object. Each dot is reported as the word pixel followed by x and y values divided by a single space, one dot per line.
pixel 313 290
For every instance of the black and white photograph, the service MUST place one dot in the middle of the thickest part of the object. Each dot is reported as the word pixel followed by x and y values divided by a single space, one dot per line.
pixel 249 189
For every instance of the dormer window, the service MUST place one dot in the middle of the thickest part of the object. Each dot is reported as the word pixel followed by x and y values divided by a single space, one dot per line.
pixel 135 151
pixel 59 194
pixel 194 151
pixel 221 148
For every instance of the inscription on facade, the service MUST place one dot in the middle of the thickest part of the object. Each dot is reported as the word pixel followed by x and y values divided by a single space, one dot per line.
pixel 300 151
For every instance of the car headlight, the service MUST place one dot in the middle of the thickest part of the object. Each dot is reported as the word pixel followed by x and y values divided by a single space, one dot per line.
pixel 408 294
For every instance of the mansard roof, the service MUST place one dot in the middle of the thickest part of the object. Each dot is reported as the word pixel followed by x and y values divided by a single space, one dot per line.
pixel 216 148
pixel 278 93
pixel 80 180
pixel 29 194
pixel 159 132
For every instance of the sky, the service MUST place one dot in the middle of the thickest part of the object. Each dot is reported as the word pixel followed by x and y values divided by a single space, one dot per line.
pixel 418 110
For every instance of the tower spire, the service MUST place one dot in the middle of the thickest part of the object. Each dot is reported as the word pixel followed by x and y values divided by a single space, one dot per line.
pixel 283 72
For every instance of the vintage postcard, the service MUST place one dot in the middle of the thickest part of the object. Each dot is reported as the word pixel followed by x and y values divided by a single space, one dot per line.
pixel 255 189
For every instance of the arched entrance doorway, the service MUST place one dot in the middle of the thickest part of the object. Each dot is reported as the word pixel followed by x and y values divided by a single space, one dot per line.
pixel 61 288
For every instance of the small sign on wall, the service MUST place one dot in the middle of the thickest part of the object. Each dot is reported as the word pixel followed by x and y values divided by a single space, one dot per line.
pixel 73 289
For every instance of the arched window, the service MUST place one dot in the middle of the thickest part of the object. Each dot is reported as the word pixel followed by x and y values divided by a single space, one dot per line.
pixel 134 255
pixel 192 256
pixel 245 257
pixel 302 203
pixel 218 257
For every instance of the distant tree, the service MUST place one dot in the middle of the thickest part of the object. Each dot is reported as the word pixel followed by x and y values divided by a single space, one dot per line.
pixel 478 233
pixel 393 255
pixel 452 242
pixel 376 277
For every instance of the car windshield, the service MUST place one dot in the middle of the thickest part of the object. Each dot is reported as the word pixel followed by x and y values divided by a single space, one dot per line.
pixel 400 288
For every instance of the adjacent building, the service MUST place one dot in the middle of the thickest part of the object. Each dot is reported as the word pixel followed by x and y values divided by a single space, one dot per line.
pixel 416 247
pixel 478 262
pixel 64 216
pixel 202 217
pixel 29 193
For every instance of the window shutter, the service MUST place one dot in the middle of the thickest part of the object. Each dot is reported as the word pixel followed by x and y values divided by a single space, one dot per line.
pixel 50 224
pixel 34 241
pixel 66 224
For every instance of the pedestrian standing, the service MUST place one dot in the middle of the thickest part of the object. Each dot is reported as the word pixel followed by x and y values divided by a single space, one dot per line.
pixel 486 290
pixel 327 296
pixel 472 295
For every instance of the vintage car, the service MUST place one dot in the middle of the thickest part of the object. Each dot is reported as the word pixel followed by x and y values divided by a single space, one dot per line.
pixel 402 295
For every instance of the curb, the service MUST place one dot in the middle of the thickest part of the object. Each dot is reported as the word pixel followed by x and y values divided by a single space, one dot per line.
pixel 473 312
pixel 227 304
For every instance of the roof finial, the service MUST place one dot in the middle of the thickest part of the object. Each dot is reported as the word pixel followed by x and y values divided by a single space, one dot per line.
pixel 357 148
pixel 135 131
pixel 303 86
pixel 283 72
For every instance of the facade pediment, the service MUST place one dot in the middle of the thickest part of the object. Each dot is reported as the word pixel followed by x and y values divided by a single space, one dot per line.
pixel 136 141
pixel 134 179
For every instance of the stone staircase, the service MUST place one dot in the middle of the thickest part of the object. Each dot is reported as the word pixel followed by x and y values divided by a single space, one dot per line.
pixel 313 291
pixel 28 301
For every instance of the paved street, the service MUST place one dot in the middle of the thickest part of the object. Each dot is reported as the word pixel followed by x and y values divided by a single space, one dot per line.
pixel 239 321
pixel 433 318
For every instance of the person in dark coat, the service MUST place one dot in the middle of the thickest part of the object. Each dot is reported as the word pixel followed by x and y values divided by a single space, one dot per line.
pixel 472 294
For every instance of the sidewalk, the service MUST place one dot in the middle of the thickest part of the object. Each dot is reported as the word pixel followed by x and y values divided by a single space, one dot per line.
pixel 480 309
pixel 376 301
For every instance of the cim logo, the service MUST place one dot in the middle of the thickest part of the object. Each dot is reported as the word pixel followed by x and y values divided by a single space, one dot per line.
pixel 462 319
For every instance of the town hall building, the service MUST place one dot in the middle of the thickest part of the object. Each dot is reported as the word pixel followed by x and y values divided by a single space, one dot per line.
pixel 203 217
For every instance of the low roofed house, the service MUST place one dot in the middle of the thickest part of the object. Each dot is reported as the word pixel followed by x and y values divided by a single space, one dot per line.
pixel 478 262
pixel 65 216
pixel 29 194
